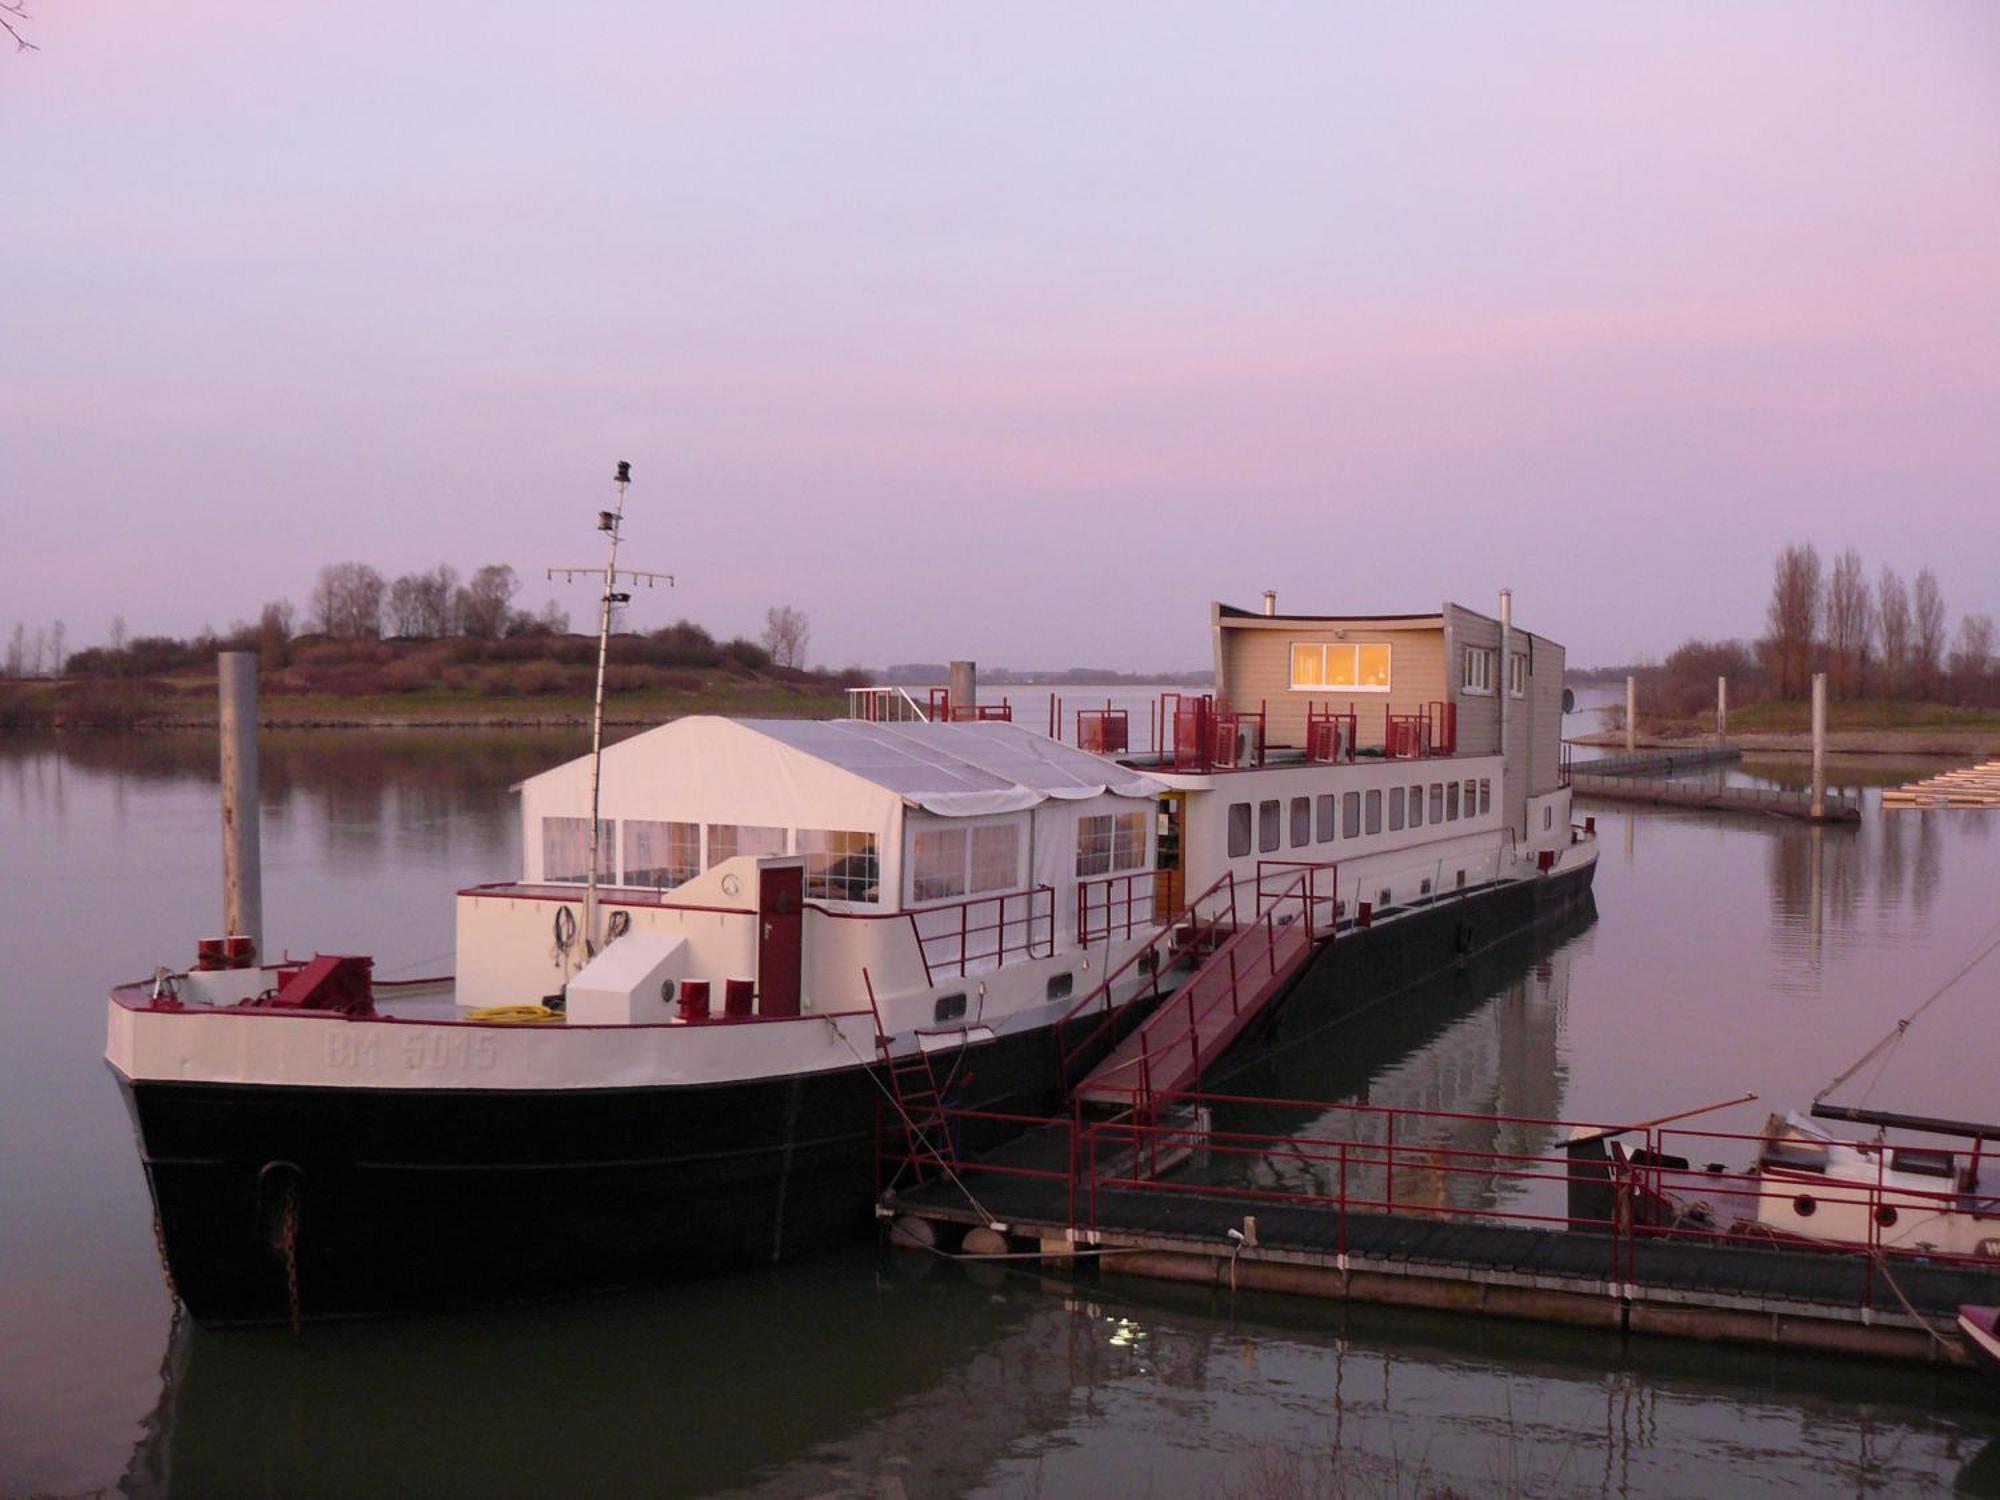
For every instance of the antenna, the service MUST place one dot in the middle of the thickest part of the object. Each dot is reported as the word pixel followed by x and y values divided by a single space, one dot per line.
pixel 608 521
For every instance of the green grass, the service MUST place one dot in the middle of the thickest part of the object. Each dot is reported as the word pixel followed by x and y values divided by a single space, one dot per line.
pixel 1795 715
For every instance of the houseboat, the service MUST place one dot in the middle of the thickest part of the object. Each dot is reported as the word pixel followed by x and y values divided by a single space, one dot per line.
pixel 733 945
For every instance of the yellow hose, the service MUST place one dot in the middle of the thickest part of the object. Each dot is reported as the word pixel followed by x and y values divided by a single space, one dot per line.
pixel 513 1014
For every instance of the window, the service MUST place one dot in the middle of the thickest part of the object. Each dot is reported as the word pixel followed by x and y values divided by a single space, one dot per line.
pixel 1060 986
pixel 1472 799
pixel 1517 675
pixel 728 840
pixel 1357 668
pixel 1478 670
pixel 1239 829
pixel 1451 802
pixel 1395 808
pixel 1326 826
pixel 1350 815
pixel 996 856
pixel 566 849
pixel 1437 802
pixel 1267 826
pixel 1416 806
pixel 1374 824
pixel 661 855
pixel 1485 795
pixel 948 1008
pixel 841 865
pixel 1093 845
pixel 1302 821
pixel 1548 819
pixel 937 864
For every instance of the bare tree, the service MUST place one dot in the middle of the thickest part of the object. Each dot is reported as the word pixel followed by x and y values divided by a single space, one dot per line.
pixel 1794 616
pixel 39 654
pixel 17 651
pixel 483 603
pixel 1972 657
pixel 273 630
pixel 12 13
pixel 1850 623
pixel 347 600
pixel 117 632
pixel 1927 633
pixel 58 652
pixel 1892 616
pixel 420 604
pixel 786 632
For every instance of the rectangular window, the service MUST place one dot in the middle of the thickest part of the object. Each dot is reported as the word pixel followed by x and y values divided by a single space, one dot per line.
pixel 1267 826
pixel 1517 675
pixel 1239 829
pixel 1350 815
pixel 1093 846
pixel 1485 795
pixel 1472 799
pixel 1416 807
pixel 1374 824
pixel 841 865
pixel 1302 822
pixel 1128 841
pixel 1326 823
pixel 1437 802
pixel 1451 802
pixel 937 864
pixel 1357 668
pixel 566 850
pixel 996 857
pixel 1395 808
pixel 661 855
pixel 728 840
pixel 1478 670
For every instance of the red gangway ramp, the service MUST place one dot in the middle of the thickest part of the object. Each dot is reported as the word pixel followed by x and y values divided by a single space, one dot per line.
pixel 1197 1023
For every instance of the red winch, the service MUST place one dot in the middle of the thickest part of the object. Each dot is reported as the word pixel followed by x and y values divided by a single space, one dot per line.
pixel 327 982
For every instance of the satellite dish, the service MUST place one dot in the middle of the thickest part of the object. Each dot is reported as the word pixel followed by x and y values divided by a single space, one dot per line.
pixel 1569 700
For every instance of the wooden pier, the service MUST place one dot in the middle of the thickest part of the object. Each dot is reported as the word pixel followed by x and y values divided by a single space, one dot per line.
pixel 1381 1205
pixel 1970 786
pixel 1644 778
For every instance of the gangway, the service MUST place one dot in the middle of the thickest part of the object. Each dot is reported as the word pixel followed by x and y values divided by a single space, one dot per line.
pixel 1198 1021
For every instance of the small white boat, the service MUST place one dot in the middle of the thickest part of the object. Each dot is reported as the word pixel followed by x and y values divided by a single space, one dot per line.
pixel 1879 1194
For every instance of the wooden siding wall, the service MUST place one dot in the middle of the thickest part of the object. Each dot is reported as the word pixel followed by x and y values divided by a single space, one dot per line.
pixel 1534 722
pixel 1256 664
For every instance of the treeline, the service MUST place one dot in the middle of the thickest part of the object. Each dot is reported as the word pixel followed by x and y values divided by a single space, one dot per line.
pixel 1883 639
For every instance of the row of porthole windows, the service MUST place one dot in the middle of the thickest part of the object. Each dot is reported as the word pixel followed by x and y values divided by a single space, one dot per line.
pixel 952 1007
pixel 1323 819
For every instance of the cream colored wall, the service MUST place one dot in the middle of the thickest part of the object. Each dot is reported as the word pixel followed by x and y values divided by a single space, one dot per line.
pixel 1256 666
pixel 507 953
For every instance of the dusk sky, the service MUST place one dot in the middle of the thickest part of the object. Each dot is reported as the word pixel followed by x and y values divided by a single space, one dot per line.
pixel 1015 332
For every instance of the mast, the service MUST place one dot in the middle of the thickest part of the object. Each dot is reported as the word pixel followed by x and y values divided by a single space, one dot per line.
pixel 608 522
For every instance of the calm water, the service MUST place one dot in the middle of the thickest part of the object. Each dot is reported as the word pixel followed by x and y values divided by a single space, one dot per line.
pixel 1728 955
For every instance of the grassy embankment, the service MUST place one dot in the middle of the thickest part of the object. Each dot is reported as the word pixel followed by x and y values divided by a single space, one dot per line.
pixel 1853 728
pixel 451 684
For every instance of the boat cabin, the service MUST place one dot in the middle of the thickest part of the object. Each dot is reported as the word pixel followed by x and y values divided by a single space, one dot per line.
pixel 779 859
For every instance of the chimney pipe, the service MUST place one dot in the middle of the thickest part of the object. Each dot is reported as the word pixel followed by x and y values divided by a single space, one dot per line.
pixel 242 871
pixel 1270 601
pixel 964 690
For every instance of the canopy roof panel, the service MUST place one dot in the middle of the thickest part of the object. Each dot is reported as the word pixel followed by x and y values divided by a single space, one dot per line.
pixel 958 770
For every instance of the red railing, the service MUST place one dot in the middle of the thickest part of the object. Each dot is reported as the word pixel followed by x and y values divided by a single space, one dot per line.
pixel 1115 906
pixel 1204 1015
pixel 1211 913
pixel 1331 736
pixel 1363 1159
pixel 1200 732
pixel 951 939
pixel 1278 881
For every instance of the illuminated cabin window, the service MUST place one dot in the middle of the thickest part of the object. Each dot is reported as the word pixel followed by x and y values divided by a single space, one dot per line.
pixel 841 865
pixel 660 855
pixel 566 850
pixel 1361 667
pixel 728 840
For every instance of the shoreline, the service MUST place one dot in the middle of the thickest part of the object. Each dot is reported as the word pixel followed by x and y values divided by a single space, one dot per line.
pixel 1975 743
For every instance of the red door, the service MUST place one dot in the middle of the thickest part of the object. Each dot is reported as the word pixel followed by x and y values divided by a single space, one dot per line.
pixel 780 936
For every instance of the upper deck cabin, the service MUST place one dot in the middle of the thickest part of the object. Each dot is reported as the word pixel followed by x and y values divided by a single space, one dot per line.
pixel 1403 686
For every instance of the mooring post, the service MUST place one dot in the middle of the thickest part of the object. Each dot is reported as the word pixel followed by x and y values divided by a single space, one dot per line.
pixel 1722 708
pixel 964 690
pixel 1631 713
pixel 1819 747
pixel 242 867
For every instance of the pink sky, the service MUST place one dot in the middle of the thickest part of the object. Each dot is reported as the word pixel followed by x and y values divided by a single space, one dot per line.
pixel 1015 332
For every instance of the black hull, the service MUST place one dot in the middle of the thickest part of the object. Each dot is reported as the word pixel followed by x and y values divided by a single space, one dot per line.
pixel 389 1201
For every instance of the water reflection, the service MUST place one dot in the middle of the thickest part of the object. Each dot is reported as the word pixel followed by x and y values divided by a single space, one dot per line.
pixel 875 1376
